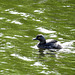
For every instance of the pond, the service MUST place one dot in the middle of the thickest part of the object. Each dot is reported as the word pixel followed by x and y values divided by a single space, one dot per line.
pixel 23 20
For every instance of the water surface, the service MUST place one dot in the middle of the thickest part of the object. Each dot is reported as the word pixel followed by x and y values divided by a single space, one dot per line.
pixel 21 21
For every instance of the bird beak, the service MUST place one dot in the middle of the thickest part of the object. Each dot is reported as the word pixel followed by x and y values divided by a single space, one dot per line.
pixel 35 39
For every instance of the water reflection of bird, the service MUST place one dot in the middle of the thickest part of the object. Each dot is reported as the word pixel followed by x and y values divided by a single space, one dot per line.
pixel 47 45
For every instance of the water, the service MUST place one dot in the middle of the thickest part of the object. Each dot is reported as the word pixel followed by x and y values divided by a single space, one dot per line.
pixel 21 21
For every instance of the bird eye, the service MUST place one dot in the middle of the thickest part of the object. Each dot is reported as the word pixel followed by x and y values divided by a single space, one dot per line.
pixel 38 37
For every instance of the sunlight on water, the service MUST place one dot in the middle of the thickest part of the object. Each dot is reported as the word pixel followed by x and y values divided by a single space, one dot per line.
pixel 1 18
pixel 45 30
pixel 39 11
pixel 16 22
pixel 37 64
pixel 50 72
pixel 60 38
pixel 23 58
pixel 67 46
pixel 20 21
pixel 36 20
pixel 67 6
pixel 72 30
pixel 66 51
pixel 1 34
pixel 53 35
pixel 18 36
pixel 7 46
pixel 10 37
pixel 44 67
pixel 26 36
pixel 18 13
pixel 8 43
pixel 35 47
pixel 3 28
pixel 2 50
pixel 4 62
pixel 42 1
pixel 20 5
pixel 8 20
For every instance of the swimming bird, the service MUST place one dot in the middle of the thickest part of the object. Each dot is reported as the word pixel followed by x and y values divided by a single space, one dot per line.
pixel 43 44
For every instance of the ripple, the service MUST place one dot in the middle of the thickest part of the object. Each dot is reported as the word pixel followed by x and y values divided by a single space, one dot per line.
pixel 24 14
pixel 18 35
pixel 8 43
pixel 3 28
pixel 60 38
pixel 45 30
pixel 65 50
pixel 47 72
pixel 39 11
pixel 2 50
pixel 72 30
pixel 26 36
pixel 67 6
pixel 8 20
pixel 1 18
pixel 53 35
pixel 36 20
pixel 35 47
pixel 39 64
pixel 68 44
pixel 23 58
pixel 7 47
pixel 1 34
pixel 14 21
pixel 3 62
pixel 1 70
pixel 10 37
pixel 67 47
pixel 17 22
pixel 20 5
pixel 42 1
pixel 13 12
pixel 18 13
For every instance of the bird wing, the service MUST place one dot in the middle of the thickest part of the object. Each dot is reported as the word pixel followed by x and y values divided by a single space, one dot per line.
pixel 51 41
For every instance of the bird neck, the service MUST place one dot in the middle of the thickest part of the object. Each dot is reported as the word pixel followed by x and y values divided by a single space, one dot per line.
pixel 43 42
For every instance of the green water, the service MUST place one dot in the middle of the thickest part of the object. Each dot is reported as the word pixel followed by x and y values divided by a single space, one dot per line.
pixel 21 21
